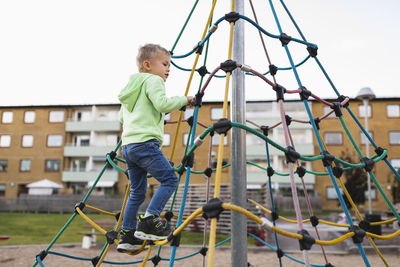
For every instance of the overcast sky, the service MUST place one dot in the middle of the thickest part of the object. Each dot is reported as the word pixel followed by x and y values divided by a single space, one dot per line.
pixel 83 51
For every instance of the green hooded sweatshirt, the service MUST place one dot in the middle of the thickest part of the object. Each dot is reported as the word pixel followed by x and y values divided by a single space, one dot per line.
pixel 143 106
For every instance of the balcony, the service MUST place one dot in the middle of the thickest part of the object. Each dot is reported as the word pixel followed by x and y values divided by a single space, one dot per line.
pixel 86 151
pixel 87 126
pixel 259 151
pixel 261 177
pixel 87 176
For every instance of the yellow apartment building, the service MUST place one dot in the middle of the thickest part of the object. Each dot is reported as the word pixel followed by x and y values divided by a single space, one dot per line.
pixel 384 128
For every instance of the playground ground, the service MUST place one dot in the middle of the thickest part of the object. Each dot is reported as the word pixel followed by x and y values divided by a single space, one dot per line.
pixel 25 255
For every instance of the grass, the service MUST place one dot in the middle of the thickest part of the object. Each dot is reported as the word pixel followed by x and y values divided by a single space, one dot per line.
pixel 41 228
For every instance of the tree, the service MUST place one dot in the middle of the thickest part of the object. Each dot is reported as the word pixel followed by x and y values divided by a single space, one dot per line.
pixel 356 180
pixel 395 189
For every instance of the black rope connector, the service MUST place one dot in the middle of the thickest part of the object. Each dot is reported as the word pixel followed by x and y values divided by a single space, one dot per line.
pixel 228 66
pixel 365 225
pixel 300 171
pixel 369 164
pixel 305 94
pixel 95 260
pixel 285 39
pixel 111 235
pixel 270 171
pixel 181 170
pixel 232 17
pixel 212 209
pixel 379 151
pixel 288 120
pixel 280 91
pixel 165 122
pixel 291 155
pixel 79 205
pixel 208 172
pixel 358 234
pixel 156 259
pixel 171 163
pixel 222 126
pixel 112 154
pixel 171 52
pixel 183 108
pixel 329 265
pixel 317 120
pixel 273 69
pixel 328 158
pixel 307 241
pixel 42 254
pixel 190 121
pixel 188 160
pixel 117 215
pixel 312 50
pixel 314 220
pixel 279 253
pixel 174 240
pixel 203 251
pixel 274 215
pixel 198 99
pixel 202 71
pixel 264 129
pixel 341 99
pixel 337 108
pixel 199 48
pixel 337 171
pixel 168 215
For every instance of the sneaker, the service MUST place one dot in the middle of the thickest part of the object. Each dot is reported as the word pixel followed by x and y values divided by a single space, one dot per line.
pixel 151 228
pixel 128 242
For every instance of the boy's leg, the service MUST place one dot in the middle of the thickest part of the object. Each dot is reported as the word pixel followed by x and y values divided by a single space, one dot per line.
pixel 137 177
pixel 160 168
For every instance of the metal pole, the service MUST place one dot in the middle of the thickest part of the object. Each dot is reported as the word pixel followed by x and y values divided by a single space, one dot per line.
pixel 365 100
pixel 238 149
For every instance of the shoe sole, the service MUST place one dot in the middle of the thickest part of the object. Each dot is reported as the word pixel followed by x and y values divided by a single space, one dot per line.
pixel 126 248
pixel 144 236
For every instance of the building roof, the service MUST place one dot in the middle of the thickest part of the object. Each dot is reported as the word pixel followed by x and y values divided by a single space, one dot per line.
pixel 45 183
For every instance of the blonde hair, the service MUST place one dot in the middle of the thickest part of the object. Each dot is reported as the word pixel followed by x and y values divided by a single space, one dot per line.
pixel 147 52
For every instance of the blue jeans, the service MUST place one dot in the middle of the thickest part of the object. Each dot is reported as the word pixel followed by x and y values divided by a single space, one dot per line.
pixel 143 158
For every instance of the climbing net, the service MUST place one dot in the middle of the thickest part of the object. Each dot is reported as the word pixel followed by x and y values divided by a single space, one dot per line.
pixel 334 166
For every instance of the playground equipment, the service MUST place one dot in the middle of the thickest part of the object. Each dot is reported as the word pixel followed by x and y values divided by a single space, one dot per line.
pixel 215 206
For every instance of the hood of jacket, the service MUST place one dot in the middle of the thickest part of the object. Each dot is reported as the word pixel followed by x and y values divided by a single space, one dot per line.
pixel 130 94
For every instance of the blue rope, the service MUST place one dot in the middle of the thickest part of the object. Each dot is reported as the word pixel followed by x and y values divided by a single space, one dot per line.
pixel 272 199
pixel 284 254
pixel 39 260
pixel 185 190
pixel 344 207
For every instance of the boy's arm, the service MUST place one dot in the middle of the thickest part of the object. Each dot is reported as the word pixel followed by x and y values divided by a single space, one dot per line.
pixel 155 91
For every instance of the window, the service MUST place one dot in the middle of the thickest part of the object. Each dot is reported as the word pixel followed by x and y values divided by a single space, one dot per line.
pixel 328 109
pixel 167 140
pixel 7 117
pixel 252 139
pixel 395 163
pixel 79 165
pixel 56 116
pixel 215 140
pixel 393 111
pixel 361 111
pixel 54 140
pixel 333 138
pixel 27 140
pixel 3 165
pixel 25 165
pixel 216 113
pixel 185 138
pixel 52 165
pixel 29 116
pixel 364 139
pixel 2 190
pixel 188 113
pixel 394 138
pixel 5 140
pixel 167 117
pixel 82 140
pixel 331 192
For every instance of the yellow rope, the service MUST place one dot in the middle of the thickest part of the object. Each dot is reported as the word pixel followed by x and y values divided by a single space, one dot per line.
pixel 103 256
pixel 99 210
pixel 171 158
pixel 146 258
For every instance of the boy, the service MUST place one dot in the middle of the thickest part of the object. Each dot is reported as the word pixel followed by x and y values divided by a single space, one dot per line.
pixel 143 105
